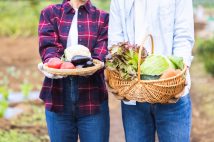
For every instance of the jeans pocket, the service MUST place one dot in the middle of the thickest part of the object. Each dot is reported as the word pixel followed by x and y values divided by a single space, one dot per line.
pixel 126 107
pixel 184 100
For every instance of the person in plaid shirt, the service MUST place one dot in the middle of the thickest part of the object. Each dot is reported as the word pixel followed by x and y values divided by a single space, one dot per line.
pixel 74 105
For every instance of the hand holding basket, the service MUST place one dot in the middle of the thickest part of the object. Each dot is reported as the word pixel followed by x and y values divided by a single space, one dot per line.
pixel 152 91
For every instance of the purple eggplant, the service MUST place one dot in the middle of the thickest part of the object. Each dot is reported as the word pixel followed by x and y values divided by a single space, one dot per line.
pixel 80 60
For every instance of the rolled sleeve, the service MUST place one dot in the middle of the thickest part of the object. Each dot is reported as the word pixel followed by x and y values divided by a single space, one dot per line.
pixel 49 46
pixel 100 50
pixel 115 25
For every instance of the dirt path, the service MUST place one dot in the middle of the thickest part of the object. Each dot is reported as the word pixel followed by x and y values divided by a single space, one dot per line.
pixel 22 55
pixel 202 97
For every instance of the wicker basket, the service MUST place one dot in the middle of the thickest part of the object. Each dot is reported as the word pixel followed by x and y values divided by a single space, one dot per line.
pixel 79 71
pixel 152 91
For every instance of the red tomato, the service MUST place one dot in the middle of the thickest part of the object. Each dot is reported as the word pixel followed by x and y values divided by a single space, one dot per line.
pixel 67 65
pixel 54 63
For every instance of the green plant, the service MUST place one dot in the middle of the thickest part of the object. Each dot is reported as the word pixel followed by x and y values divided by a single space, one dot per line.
pixel 123 57
pixel 15 136
pixel 4 81
pixel 206 52
pixel 34 117
pixel 102 4
pixel 206 3
pixel 22 22
pixel 13 72
pixel 3 107
pixel 4 91
pixel 26 88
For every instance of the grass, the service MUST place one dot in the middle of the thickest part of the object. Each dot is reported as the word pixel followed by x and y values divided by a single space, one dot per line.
pixel 15 136
pixel 33 118
pixel 19 18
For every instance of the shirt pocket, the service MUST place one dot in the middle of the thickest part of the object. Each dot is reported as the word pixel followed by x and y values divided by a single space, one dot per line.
pixel 166 15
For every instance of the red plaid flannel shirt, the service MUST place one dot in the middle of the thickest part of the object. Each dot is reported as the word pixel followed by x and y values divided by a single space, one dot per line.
pixel 54 26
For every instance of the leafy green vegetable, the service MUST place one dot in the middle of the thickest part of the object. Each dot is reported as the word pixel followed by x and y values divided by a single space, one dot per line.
pixel 124 58
pixel 155 65
pixel 3 107
pixel 177 61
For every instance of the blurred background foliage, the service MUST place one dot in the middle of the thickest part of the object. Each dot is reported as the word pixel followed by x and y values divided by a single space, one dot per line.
pixel 206 3
pixel 206 53
pixel 21 16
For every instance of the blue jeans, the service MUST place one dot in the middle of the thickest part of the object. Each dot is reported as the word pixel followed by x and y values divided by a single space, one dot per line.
pixel 66 126
pixel 171 121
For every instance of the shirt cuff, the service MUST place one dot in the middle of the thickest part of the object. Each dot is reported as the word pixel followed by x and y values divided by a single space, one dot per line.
pixel 188 61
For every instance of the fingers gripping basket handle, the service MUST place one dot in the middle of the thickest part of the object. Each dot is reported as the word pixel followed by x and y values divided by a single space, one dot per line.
pixel 140 51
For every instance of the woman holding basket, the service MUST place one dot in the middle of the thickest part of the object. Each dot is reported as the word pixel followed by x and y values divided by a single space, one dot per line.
pixel 75 105
pixel 170 22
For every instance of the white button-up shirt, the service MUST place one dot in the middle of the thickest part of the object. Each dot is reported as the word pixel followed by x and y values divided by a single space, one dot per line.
pixel 169 21
pixel 73 33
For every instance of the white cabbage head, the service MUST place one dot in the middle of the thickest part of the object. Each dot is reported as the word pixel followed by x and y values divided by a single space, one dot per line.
pixel 70 52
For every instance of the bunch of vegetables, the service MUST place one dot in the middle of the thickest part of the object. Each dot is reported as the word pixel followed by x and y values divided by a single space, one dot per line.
pixel 57 63
pixel 161 67
pixel 123 58
pixel 77 57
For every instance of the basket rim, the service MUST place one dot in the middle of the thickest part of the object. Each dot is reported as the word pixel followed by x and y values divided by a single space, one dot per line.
pixel 76 71
pixel 170 78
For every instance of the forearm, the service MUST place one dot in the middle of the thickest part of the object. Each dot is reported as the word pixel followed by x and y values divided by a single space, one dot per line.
pixel 49 45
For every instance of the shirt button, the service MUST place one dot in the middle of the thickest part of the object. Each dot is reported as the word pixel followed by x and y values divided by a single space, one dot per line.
pixel 80 26
pixel 80 13
pixel 80 39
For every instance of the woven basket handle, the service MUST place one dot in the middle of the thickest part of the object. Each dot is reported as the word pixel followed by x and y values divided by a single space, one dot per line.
pixel 140 51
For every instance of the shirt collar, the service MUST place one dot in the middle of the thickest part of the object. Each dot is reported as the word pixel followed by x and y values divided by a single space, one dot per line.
pixel 68 7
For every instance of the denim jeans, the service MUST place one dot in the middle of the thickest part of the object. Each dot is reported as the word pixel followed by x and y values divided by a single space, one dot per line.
pixel 171 121
pixel 66 126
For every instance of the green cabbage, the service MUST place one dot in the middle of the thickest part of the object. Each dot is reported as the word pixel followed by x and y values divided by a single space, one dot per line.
pixel 156 65
pixel 177 61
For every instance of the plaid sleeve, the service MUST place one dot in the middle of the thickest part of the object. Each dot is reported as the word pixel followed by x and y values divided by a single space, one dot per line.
pixel 49 45
pixel 100 50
